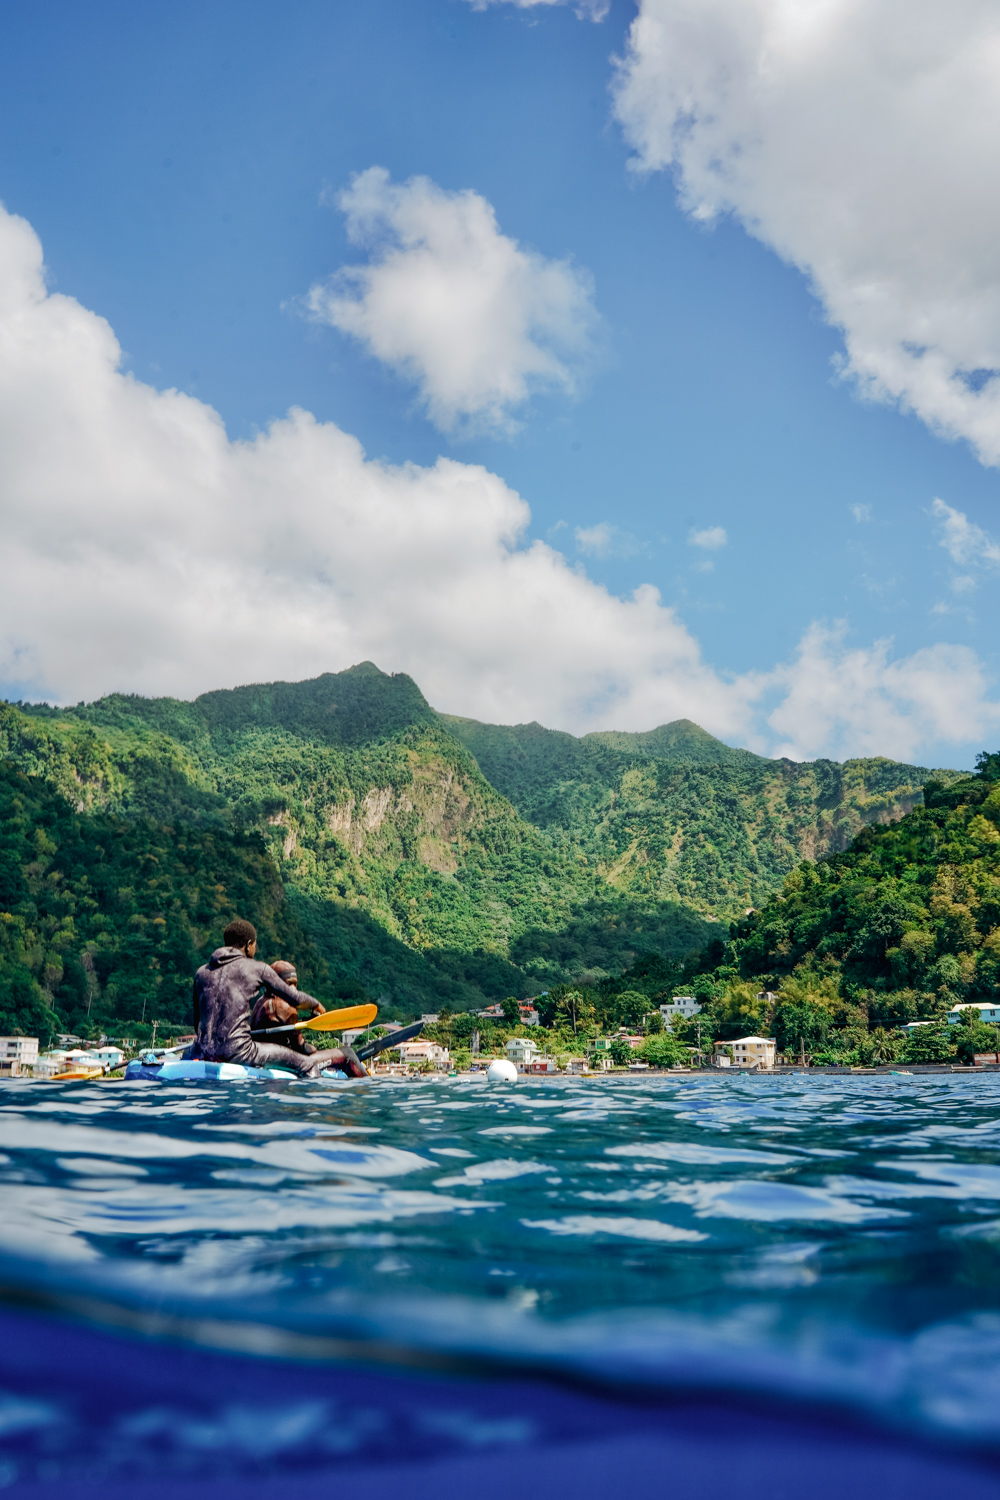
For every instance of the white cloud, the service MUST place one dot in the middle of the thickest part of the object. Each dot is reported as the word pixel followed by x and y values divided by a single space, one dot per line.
pixel 605 540
pixel 475 321
pixel 712 538
pixel 144 551
pixel 862 143
pixel 839 701
pixel 964 541
pixel 587 10
pixel 862 514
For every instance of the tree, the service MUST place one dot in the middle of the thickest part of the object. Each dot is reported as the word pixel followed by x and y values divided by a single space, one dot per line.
pixel 575 1008
pixel 988 765
pixel 927 1044
pixel 511 1010
pixel 739 1011
pixel 631 1007
pixel 654 1023
pixel 664 1051
pixel 883 1047
pixel 621 1051
pixel 801 1026
pixel 971 1035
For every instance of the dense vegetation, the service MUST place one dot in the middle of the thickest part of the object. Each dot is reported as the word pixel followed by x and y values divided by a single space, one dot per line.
pixel 388 849
pixel 103 920
pixel 902 926
pixel 675 815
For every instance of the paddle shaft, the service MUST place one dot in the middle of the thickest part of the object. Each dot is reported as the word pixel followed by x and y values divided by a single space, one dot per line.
pixel 381 1043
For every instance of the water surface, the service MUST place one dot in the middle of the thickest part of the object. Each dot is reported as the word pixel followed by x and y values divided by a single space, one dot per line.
pixel 815 1237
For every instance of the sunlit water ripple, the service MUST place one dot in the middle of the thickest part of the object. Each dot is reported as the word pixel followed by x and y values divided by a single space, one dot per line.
pixel 835 1238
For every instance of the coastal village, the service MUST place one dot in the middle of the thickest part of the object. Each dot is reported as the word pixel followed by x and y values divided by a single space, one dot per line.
pixel 533 1050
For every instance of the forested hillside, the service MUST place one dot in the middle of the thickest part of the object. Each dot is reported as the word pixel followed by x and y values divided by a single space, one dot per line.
pixel 902 926
pixel 424 859
pixel 676 815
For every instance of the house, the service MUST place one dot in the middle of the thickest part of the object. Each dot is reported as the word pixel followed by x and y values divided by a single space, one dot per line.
pixel 17 1053
pixel 576 1065
pixel 431 1018
pixel 988 1012
pixel 681 1006
pixel 541 1065
pixel 354 1032
pixel 109 1057
pixel 600 1044
pixel 60 1060
pixel 521 1051
pixel 529 1015
pixel 747 1052
pixel 421 1052
pixel 493 1012
pixel 48 1063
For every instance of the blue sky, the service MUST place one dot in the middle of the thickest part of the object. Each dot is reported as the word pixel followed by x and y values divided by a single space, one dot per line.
pixel 180 167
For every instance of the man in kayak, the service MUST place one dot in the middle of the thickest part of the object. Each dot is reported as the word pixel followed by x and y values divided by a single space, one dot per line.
pixel 226 988
pixel 271 1010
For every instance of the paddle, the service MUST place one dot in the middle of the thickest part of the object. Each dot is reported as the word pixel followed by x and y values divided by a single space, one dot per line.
pixel 330 1020
pixel 380 1044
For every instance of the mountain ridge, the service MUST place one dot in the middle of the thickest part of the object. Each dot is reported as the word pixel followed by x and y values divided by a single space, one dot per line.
pixel 434 859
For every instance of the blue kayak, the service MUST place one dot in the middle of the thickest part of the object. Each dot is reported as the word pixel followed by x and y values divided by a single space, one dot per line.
pixel 193 1070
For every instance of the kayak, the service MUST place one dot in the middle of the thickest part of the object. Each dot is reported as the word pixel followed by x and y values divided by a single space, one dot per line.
pixel 192 1070
pixel 167 1068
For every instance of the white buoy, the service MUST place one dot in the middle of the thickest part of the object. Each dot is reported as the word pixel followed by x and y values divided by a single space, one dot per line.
pixel 501 1071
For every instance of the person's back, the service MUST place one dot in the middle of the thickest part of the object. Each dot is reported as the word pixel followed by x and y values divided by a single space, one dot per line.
pixel 225 990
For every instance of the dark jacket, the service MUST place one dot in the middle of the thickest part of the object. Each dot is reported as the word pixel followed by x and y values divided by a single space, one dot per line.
pixel 225 990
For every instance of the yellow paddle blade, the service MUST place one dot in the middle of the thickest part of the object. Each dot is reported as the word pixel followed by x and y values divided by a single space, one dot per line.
pixel 336 1020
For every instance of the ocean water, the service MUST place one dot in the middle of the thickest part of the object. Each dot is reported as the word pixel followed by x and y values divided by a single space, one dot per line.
pixel 795 1240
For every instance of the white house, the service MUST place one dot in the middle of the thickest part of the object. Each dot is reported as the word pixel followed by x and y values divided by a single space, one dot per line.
pixel 988 1012
pixel 682 1006
pixel 748 1052
pixel 418 1052
pixel 521 1051
pixel 109 1057
pixel 17 1053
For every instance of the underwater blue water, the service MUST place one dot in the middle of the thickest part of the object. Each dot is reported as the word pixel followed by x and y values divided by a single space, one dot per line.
pixel 831 1239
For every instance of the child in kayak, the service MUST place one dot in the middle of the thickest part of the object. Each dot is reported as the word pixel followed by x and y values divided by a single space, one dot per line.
pixel 225 989
pixel 271 1010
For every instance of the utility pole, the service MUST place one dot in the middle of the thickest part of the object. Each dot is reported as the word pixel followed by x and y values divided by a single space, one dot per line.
pixel 699 1041
pixel 153 1042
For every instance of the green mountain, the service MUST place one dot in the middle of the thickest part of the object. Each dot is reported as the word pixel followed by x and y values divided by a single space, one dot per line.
pixel 909 910
pixel 674 814
pixel 425 859
pixel 902 926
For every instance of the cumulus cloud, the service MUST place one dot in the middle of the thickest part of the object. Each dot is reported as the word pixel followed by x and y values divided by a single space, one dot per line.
pixel 711 538
pixel 144 551
pixel 839 701
pixel 475 321
pixel 862 143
